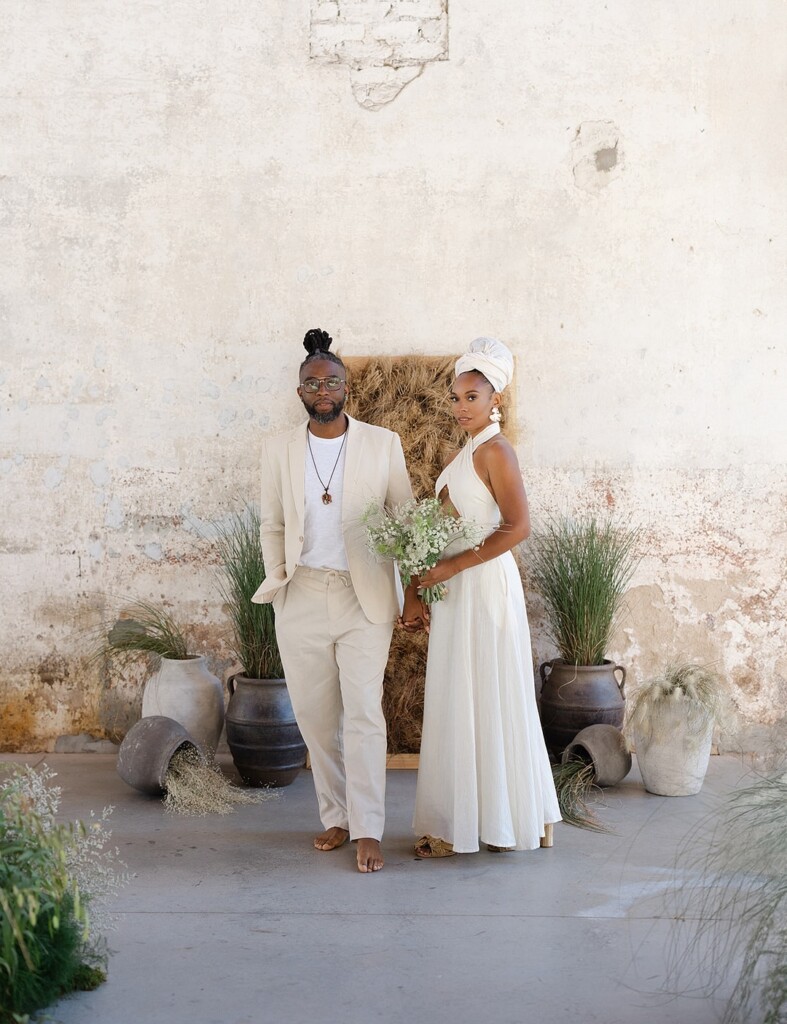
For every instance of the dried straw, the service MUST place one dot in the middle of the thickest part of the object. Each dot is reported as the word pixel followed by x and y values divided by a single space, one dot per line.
pixel 409 394
pixel 195 786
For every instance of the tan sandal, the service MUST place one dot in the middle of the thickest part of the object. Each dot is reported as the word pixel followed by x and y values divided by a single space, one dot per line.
pixel 500 849
pixel 429 847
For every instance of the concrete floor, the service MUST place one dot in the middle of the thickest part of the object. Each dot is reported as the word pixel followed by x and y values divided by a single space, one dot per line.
pixel 237 920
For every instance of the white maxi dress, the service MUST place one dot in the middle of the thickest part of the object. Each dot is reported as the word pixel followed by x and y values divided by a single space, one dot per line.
pixel 484 772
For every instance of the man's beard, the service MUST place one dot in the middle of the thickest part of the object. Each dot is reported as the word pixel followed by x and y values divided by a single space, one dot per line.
pixel 328 416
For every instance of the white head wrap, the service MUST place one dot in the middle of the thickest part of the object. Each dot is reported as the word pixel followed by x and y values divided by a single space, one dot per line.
pixel 490 357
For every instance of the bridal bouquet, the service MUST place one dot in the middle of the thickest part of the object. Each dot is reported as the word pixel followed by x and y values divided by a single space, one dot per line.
pixel 416 534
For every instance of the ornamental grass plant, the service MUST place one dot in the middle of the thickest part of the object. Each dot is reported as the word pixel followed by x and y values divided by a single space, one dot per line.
pixel 575 781
pixel 582 570
pixel 145 628
pixel 696 691
pixel 237 541
pixel 737 894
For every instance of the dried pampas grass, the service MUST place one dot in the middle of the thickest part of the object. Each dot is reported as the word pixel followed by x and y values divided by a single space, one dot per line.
pixel 195 786
pixel 409 394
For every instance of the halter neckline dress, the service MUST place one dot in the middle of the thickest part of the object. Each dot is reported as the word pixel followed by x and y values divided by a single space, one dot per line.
pixel 484 772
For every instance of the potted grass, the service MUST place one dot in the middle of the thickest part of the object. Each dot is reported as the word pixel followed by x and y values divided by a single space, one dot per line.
pixel 670 722
pixel 182 687
pixel 262 734
pixel 582 569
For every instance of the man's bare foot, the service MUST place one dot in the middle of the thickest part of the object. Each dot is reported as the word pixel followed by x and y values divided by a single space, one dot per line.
pixel 331 838
pixel 370 856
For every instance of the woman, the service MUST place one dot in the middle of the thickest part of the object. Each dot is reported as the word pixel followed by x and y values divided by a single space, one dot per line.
pixel 484 770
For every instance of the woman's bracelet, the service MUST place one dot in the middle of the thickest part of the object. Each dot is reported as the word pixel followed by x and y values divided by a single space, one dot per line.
pixel 475 552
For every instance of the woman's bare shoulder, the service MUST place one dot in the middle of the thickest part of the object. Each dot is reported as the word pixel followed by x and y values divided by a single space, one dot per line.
pixel 497 449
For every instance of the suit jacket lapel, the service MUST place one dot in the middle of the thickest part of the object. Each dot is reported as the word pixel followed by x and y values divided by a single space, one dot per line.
pixel 356 442
pixel 297 456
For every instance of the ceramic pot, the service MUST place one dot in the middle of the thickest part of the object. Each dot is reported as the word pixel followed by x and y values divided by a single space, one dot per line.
pixel 185 690
pixel 606 749
pixel 576 696
pixel 675 763
pixel 148 748
pixel 262 734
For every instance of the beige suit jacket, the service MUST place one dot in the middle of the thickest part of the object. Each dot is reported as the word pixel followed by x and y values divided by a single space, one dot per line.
pixel 374 469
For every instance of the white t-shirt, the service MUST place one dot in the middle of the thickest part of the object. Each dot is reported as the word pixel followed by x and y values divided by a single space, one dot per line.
pixel 323 540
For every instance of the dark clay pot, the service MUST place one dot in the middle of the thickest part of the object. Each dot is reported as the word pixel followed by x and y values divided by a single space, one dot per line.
pixel 262 734
pixel 605 747
pixel 576 696
pixel 148 748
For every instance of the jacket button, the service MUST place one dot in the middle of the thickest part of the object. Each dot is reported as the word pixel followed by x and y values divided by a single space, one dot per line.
pixel 300 539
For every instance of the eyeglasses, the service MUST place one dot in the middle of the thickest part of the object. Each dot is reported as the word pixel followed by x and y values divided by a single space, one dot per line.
pixel 312 384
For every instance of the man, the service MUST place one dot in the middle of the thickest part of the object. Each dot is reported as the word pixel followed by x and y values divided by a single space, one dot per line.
pixel 335 603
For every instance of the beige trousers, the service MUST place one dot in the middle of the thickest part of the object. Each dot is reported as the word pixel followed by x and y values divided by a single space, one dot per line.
pixel 334 660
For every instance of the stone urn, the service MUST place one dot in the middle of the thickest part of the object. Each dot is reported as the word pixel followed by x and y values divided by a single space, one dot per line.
pixel 674 762
pixel 576 696
pixel 184 689
pixel 605 747
pixel 262 734
pixel 146 752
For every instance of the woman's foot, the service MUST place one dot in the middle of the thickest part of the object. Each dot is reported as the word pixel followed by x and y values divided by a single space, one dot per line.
pixel 500 849
pixel 331 838
pixel 370 855
pixel 430 848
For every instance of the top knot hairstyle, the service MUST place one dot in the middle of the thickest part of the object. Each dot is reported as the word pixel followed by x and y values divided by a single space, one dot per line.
pixel 317 344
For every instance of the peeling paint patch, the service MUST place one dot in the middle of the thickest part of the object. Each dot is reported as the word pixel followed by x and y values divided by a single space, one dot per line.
pixel 115 517
pixel 53 478
pixel 597 155
pixel 154 552
pixel 385 45
pixel 99 474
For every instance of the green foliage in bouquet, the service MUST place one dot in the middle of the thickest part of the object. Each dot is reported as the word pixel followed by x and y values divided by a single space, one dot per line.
pixel 415 534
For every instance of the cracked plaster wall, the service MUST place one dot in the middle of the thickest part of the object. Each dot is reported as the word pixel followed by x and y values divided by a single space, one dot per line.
pixel 184 190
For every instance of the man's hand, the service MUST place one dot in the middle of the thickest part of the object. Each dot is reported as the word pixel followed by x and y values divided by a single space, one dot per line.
pixel 415 615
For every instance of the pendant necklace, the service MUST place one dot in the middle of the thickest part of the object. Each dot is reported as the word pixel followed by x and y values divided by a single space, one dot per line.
pixel 326 497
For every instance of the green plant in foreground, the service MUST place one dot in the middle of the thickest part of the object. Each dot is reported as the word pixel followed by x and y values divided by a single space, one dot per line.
pixel 582 571
pixel 54 881
pixel 237 540
pixel 739 900
pixel 696 691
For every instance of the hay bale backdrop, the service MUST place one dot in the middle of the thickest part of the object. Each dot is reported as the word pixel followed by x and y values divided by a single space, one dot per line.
pixel 409 394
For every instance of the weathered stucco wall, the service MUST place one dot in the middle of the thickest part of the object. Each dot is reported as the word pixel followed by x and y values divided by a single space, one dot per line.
pixel 185 188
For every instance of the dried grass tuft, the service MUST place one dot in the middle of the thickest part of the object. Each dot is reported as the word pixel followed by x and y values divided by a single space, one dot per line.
pixel 574 782
pixel 409 394
pixel 195 786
